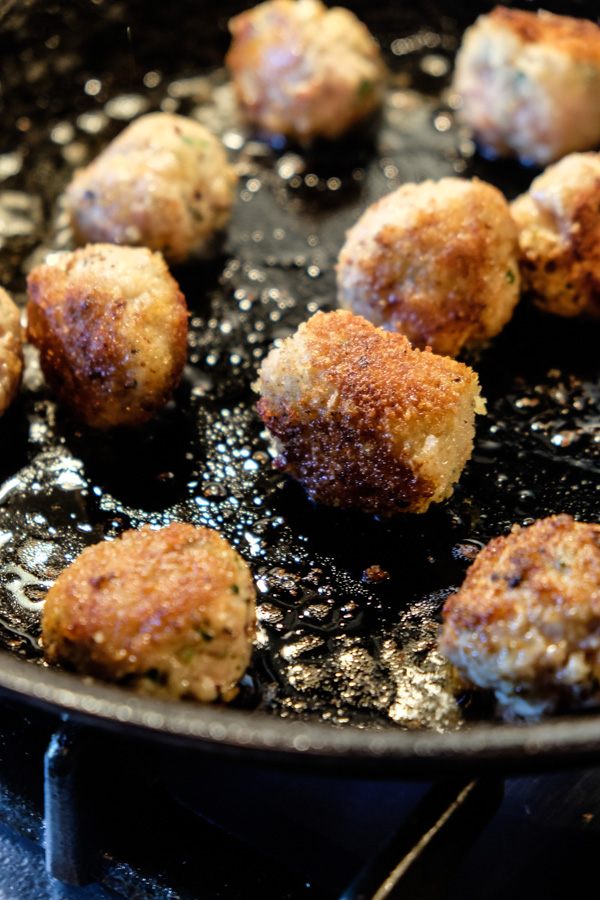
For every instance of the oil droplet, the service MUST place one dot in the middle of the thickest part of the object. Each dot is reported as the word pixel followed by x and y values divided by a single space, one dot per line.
pixel 214 491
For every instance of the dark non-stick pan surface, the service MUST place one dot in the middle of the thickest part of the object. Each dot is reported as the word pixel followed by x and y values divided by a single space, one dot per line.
pixel 346 666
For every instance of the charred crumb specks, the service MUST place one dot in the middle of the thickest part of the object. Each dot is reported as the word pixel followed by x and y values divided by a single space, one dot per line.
pixel 375 575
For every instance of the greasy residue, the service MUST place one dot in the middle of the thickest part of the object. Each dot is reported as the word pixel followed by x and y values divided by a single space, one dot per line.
pixel 333 644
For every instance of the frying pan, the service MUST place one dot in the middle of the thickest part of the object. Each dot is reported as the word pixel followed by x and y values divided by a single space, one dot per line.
pixel 345 672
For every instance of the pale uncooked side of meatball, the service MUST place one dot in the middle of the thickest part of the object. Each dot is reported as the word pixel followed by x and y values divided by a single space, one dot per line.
pixel 364 421
pixel 164 183
pixel 110 324
pixel 169 612
pixel 11 350
pixel 526 622
pixel 436 261
pixel 302 70
pixel 529 84
pixel 559 236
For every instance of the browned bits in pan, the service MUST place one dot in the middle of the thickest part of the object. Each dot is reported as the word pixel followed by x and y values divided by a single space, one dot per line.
pixel 303 70
pixel 170 612
pixel 362 420
pixel 111 326
pixel 526 621
pixel 559 235
pixel 530 84
pixel 163 183
pixel 11 351
pixel 375 574
pixel 436 261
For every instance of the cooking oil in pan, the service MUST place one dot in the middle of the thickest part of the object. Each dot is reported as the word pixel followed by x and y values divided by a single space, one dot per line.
pixel 348 606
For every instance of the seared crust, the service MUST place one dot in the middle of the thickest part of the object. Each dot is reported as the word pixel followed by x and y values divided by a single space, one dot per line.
pixel 526 621
pixel 362 420
pixel 303 70
pixel 163 183
pixel 530 84
pixel 11 350
pixel 578 38
pixel 169 612
pixel 559 236
pixel 111 326
pixel 436 261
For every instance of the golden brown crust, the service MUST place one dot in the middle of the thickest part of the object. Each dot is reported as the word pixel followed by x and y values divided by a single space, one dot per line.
pixel 355 411
pixel 436 261
pixel 311 447
pixel 560 236
pixel 578 38
pixel 171 609
pixel 526 621
pixel 529 84
pixel 111 327
pixel 11 351
pixel 543 557
pixel 439 323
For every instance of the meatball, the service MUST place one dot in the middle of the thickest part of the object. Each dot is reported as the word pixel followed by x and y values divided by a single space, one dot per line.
pixel 559 236
pixel 11 351
pixel 363 420
pixel 111 326
pixel 163 183
pixel 526 621
pixel 437 261
pixel 530 84
pixel 170 612
pixel 302 70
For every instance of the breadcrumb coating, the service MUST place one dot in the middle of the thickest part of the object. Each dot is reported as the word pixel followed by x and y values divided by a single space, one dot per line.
pixel 168 612
pixel 559 236
pixel 163 183
pixel 530 84
pixel 526 621
pixel 436 261
pixel 302 70
pixel 363 420
pixel 11 350
pixel 110 324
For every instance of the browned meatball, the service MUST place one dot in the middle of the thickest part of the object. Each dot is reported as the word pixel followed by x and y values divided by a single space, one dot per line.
pixel 362 420
pixel 169 611
pixel 436 261
pixel 303 70
pixel 530 83
pixel 111 326
pixel 526 621
pixel 559 236
pixel 11 350
pixel 164 183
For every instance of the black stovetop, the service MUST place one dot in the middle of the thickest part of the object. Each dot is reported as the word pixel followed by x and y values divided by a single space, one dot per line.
pixel 163 826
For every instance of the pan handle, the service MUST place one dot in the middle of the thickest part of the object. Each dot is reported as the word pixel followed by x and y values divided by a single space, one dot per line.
pixel 418 859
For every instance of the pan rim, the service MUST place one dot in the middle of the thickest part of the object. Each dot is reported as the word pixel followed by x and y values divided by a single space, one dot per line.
pixel 256 735
pixel 259 734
